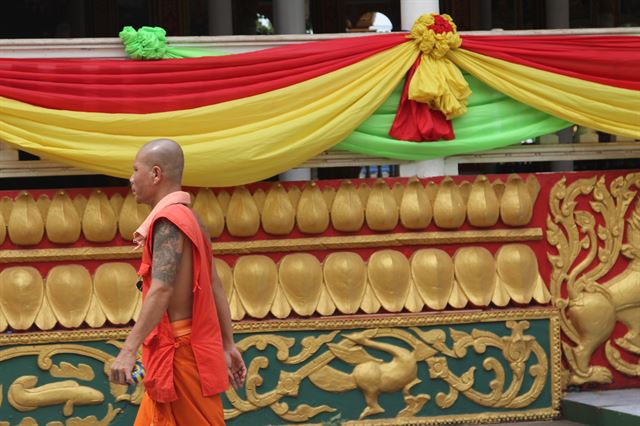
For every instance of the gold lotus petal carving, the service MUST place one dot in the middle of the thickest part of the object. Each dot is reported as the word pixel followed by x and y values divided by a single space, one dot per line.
pixel 500 294
pixel 329 195
pixel 224 198
pixel 414 301
pixel 208 208
pixel 116 201
pixel 398 192
pixel 236 308
pixel 345 275
pixel 363 192
pixel 132 214
pixel 95 317
pixel 370 303
pixel 415 206
pixel 258 197
pixel 541 293
pixel 256 280
pixel 26 226
pixel 21 294
pixel 381 209
pixel 99 222
pixel 46 319
pixel 243 218
pixel 517 268
pixel 347 211
pixel 68 289
pixel 312 213
pixel 449 210
pixel 483 209
pixel 389 275
pixel 516 204
pixel 43 203
pixel 279 215
pixel 301 281
pixel 281 307
pixel 325 304
pixel 475 271
pixel 432 273
pixel 80 202
pixel 3 229
pixel 3 326
pixel 6 205
pixel 63 223
pixel 226 276
pixel 114 284
pixel 457 299
pixel 294 194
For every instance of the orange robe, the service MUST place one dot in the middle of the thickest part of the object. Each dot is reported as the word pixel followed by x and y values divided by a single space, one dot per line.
pixel 191 408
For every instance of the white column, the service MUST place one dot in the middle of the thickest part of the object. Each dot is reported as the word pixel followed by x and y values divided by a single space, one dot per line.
pixel 288 17
pixel 220 17
pixel 410 10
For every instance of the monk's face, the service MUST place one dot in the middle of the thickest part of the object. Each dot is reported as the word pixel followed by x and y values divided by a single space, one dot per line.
pixel 143 179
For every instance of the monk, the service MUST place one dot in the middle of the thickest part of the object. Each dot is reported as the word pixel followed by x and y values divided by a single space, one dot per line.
pixel 184 325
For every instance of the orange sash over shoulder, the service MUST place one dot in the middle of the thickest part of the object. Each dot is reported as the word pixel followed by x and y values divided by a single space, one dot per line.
pixel 159 348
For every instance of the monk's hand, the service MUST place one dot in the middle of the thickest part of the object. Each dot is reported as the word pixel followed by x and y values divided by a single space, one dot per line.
pixel 235 367
pixel 122 367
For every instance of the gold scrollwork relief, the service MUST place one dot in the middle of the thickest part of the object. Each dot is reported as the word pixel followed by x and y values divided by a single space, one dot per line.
pixel 24 394
pixel 587 227
pixel 405 350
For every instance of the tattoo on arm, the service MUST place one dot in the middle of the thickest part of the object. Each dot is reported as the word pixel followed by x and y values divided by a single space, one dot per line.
pixel 167 251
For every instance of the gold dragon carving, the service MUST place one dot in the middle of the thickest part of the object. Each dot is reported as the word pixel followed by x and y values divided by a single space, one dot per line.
pixel 587 227
pixel 24 394
pixel 373 376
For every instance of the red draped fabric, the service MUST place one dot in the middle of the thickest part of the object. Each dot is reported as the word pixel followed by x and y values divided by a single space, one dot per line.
pixel 173 84
pixel 415 121
pixel 609 60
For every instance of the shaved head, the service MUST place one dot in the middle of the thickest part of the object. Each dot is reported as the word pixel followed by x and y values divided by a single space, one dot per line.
pixel 167 155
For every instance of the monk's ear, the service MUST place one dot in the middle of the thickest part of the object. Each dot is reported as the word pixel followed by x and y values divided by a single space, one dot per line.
pixel 156 171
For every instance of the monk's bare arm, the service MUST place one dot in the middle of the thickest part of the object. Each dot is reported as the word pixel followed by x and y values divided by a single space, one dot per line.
pixel 222 307
pixel 168 243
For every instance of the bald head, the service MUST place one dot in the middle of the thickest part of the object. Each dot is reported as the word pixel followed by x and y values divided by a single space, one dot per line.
pixel 167 155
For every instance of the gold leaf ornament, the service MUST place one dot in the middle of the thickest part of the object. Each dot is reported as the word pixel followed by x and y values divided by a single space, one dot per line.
pixel 256 280
pixel 132 214
pixel 475 271
pixel 389 275
pixel 415 206
pixel 381 209
pixel 432 272
pixel 449 209
pixel 301 280
pixel 208 208
pixel 483 208
pixel 278 215
pixel 69 291
pixel 115 288
pixel 26 226
pixel 243 217
pixel 99 222
pixel 345 275
pixel 312 213
pixel 347 211
pixel 63 222
pixel 21 294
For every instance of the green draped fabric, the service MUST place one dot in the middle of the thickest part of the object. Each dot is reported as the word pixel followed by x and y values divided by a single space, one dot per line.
pixel 493 120
pixel 151 43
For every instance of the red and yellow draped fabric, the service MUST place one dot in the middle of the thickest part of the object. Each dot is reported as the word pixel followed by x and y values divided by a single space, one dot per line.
pixel 245 117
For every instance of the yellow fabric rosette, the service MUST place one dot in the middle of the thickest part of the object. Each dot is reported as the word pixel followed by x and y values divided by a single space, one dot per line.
pixel 438 82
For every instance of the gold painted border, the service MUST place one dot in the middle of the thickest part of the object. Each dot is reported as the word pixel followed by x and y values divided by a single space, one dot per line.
pixel 286 245
pixel 478 418
pixel 395 320
pixel 63 336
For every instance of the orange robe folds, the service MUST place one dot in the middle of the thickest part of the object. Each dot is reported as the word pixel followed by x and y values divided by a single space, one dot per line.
pixel 191 408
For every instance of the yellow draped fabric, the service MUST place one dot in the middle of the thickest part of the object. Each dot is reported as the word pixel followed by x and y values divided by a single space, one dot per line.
pixel 593 105
pixel 226 144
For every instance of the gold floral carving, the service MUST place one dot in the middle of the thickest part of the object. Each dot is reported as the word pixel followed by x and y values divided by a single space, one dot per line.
pixel 99 222
pixel 483 207
pixel 21 294
pixel 6 205
pixel 116 202
pixel 256 286
pixel 589 238
pixel 347 209
pixel 3 229
pixel 312 214
pixel 25 225
pixel 278 215
pixel 381 211
pixel 132 214
pixel 518 199
pixel 449 206
pixel 208 208
pixel 62 220
pixel 80 203
pixel 286 245
pixel 259 197
pixel 69 371
pixel 69 292
pixel 406 349
pixel 243 217
pixel 415 206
